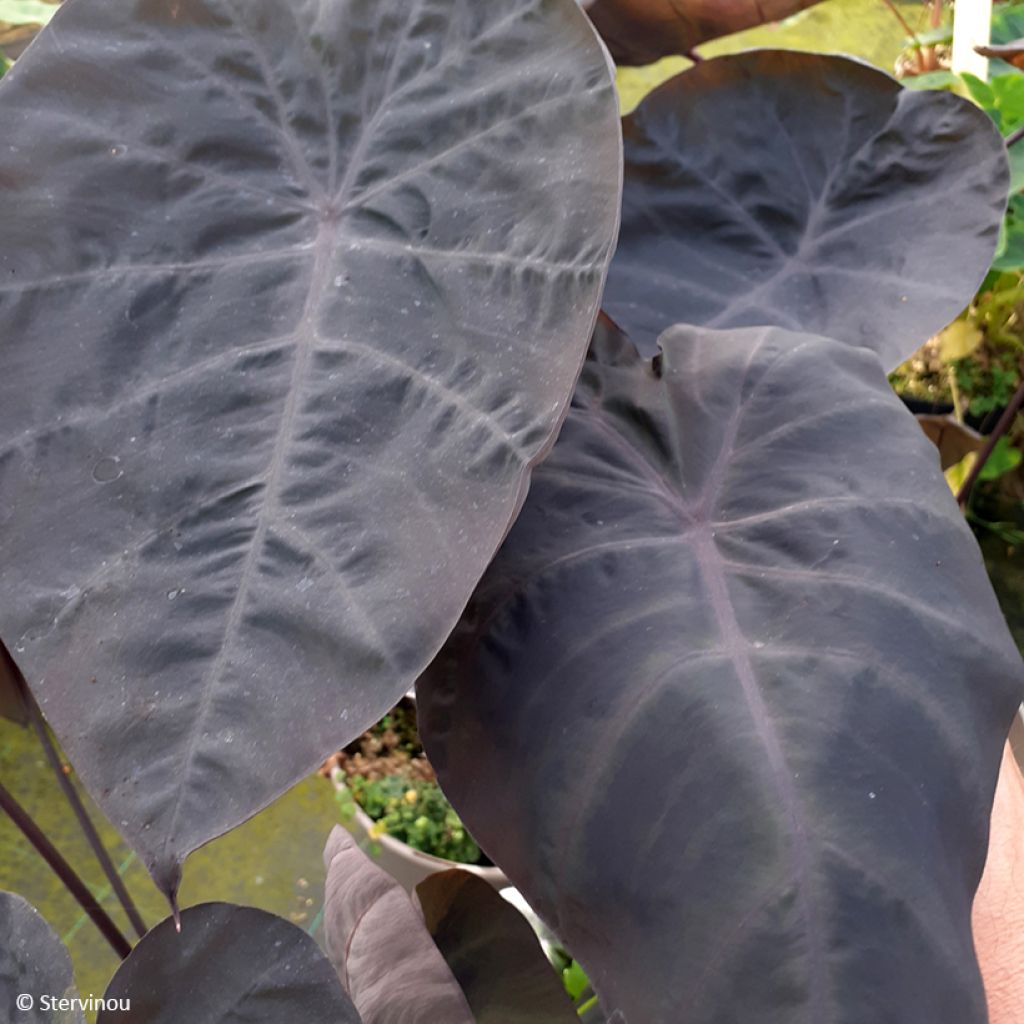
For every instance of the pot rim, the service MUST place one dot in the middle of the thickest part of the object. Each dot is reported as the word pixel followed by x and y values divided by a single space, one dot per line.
pixel 494 875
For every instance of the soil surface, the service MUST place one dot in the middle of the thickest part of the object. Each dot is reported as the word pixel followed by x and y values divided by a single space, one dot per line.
pixel 391 747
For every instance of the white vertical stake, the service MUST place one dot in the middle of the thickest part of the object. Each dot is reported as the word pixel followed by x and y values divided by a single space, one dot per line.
pixel 972 26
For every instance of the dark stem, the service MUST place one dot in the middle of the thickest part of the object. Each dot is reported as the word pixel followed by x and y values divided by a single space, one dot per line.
pixel 63 870
pixel 1002 427
pixel 910 32
pixel 1015 136
pixel 88 829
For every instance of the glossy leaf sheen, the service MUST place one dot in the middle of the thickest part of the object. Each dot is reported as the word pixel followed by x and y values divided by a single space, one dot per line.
pixel 228 965
pixel 33 961
pixel 642 31
pixel 809 192
pixel 776 655
pixel 381 949
pixel 493 952
pixel 294 294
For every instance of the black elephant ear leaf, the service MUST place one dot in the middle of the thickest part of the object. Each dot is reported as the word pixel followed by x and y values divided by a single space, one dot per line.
pixel 493 952
pixel 381 948
pixel 284 283
pixel 228 964
pixel 804 191
pixel 33 963
pixel 12 689
pixel 642 31
pixel 778 658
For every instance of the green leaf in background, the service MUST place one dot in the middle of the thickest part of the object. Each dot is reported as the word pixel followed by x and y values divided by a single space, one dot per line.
pixel 1007 23
pixel 941 36
pixel 575 980
pixel 959 340
pixel 981 92
pixel 1007 27
pixel 26 12
pixel 942 79
pixel 1010 253
pixel 1002 98
pixel 1004 459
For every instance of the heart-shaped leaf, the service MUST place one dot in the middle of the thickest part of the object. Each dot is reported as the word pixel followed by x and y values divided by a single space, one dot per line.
pixel 12 700
pixel 492 951
pixel 378 943
pixel 808 192
pixel 228 965
pixel 729 705
pixel 295 294
pixel 642 31
pixel 33 964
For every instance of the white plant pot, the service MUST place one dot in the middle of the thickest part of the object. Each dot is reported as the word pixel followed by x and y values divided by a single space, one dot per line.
pixel 407 866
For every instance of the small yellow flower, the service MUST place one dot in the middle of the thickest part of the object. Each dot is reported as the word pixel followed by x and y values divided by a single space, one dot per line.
pixel 411 796
pixel 377 830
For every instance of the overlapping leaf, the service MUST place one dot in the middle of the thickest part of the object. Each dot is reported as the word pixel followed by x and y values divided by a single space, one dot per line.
pixel 294 294
pixel 807 192
pixel 642 31
pixel 728 707
pixel 493 952
pixel 33 963
pixel 12 701
pixel 228 965
pixel 954 440
pixel 381 948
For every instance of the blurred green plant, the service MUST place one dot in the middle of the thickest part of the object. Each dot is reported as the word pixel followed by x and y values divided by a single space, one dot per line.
pixel 1007 25
pixel 986 380
pixel 412 811
pixel 26 12
pixel 20 22
pixel 1004 459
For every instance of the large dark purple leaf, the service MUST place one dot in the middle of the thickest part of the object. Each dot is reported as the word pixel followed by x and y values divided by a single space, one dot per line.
pixel 381 948
pixel 12 700
pixel 728 707
pixel 228 965
pixel 295 293
pixel 808 192
pixel 33 963
pixel 493 952
pixel 641 31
